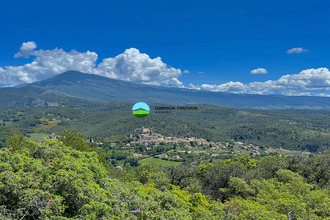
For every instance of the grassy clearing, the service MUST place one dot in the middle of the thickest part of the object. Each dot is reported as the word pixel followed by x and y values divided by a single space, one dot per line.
pixel 38 136
pixel 160 162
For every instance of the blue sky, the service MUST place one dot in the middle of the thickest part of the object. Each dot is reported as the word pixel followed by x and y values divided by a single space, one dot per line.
pixel 216 41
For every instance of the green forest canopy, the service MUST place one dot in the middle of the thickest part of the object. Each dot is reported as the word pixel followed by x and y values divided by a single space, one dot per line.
pixel 68 179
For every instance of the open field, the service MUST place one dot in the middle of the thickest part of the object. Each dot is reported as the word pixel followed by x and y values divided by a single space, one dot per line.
pixel 160 162
pixel 38 136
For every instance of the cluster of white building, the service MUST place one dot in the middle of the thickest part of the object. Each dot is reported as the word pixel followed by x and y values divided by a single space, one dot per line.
pixel 146 137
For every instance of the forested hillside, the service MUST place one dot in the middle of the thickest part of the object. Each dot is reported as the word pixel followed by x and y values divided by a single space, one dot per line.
pixel 289 129
pixel 66 178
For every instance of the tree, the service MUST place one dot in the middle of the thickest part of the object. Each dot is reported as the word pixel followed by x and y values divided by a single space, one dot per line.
pixel 49 180
pixel 269 165
pixel 237 187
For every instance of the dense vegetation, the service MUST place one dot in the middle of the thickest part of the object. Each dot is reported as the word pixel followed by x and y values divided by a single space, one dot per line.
pixel 66 178
pixel 289 129
pixel 70 176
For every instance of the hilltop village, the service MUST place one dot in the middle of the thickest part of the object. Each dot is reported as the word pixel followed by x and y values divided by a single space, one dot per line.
pixel 144 136
pixel 144 143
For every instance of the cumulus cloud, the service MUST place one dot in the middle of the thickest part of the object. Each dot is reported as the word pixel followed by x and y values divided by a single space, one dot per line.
pixel 259 71
pixel 139 67
pixel 192 86
pixel 26 49
pixel 186 71
pixel 47 63
pixel 296 50
pixel 130 65
pixel 308 82
pixel 324 95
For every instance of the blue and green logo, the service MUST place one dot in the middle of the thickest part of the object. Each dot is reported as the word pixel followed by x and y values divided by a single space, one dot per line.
pixel 141 110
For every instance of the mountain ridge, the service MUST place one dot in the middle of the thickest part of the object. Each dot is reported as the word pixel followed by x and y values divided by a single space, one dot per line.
pixel 39 97
pixel 101 88
pixel 90 87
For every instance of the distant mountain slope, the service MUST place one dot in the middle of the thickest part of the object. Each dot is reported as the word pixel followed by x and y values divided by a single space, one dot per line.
pixel 101 88
pixel 39 97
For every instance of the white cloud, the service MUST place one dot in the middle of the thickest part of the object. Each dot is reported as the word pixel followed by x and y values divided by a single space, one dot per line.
pixel 296 50
pixel 130 65
pixel 259 71
pixel 324 95
pixel 192 86
pixel 139 67
pixel 308 82
pixel 201 72
pixel 186 71
pixel 47 63
pixel 26 49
